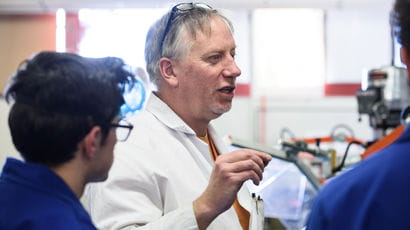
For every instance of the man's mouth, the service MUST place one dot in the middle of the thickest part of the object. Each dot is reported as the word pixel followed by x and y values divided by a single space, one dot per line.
pixel 227 89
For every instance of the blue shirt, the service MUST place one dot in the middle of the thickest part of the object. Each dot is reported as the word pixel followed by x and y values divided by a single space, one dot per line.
pixel 34 197
pixel 373 195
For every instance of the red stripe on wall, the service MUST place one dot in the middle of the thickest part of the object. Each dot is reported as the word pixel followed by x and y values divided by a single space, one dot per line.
pixel 341 89
pixel 243 90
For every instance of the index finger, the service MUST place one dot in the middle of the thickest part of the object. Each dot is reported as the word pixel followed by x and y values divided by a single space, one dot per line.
pixel 265 157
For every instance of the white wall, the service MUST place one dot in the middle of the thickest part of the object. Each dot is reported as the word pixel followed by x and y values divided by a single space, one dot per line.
pixel 356 40
pixel 6 145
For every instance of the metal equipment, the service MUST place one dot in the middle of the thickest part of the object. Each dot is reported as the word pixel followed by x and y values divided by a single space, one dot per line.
pixel 385 93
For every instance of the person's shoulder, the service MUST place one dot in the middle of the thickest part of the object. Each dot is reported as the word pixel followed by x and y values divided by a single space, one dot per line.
pixel 26 197
pixel 361 177
pixel 142 117
pixel 38 212
pixel 50 221
pixel 392 161
pixel 348 179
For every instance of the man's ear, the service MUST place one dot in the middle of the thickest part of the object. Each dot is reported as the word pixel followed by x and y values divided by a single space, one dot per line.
pixel 92 142
pixel 167 71
pixel 405 56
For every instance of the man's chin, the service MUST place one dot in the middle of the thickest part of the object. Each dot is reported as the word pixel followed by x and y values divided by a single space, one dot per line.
pixel 221 110
pixel 100 178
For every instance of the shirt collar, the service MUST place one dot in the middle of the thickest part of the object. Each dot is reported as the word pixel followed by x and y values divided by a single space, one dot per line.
pixel 165 114
pixel 37 176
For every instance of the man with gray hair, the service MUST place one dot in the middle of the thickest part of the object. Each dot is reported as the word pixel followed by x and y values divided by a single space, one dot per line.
pixel 176 173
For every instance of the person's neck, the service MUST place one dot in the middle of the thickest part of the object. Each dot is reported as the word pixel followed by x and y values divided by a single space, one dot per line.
pixel 201 132
pixel 72 177
pixel 199 126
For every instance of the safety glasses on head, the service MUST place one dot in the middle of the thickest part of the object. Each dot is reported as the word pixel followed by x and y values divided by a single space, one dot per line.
pixel 179 9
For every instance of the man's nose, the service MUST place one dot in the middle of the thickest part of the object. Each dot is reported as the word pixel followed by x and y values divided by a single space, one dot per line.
pixel 231 69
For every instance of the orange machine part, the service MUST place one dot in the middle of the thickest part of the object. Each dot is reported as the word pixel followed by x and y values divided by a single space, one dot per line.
pixel 384 141
pixel 325 139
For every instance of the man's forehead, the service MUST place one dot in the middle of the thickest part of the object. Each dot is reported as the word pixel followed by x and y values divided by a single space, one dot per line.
pixel 206 30
pixel 216 35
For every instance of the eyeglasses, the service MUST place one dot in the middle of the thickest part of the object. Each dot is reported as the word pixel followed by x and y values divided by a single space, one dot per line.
pixel 123 130
pixel 180 8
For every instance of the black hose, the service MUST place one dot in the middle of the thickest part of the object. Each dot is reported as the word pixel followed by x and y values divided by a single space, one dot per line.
pixel 339 168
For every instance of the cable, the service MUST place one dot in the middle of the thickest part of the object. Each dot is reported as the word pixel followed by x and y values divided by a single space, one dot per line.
pixel 404 116
pixel 338 168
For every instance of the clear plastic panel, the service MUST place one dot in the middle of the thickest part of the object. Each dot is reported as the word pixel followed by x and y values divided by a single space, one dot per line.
pixel 286 192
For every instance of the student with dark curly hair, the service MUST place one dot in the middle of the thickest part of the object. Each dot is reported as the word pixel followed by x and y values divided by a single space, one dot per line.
pixel 64 121
pixel 375 194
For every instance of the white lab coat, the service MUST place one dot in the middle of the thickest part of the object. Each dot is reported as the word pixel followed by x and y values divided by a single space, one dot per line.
pixel 157 174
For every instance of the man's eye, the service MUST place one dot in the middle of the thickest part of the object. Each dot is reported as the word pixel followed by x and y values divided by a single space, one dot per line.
pixel 215 57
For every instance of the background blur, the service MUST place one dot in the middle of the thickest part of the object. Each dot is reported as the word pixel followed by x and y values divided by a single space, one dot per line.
pixel 302 60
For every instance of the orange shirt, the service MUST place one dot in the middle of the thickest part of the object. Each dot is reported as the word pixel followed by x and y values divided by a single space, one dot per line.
pixel 242 213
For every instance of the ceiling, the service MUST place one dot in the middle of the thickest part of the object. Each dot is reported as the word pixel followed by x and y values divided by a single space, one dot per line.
pixel 47 6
